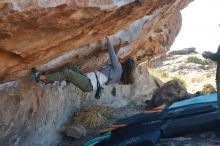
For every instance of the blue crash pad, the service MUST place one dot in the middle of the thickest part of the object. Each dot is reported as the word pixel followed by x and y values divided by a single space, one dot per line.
pixel 195 100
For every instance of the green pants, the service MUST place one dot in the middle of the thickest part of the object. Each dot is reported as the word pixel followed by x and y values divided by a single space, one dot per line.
pixel 71 73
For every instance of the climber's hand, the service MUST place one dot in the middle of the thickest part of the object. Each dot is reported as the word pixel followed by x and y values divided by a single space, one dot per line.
pixel 106 41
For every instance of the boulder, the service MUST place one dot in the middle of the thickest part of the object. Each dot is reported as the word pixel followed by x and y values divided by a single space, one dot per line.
pixel 75 131
pixel 170 92
pixel 47 34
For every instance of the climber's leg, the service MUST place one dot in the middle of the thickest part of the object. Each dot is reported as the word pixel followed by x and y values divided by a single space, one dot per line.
pixel 76 78
pixel 72 67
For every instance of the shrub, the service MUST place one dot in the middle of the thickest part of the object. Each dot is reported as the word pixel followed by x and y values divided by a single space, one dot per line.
pixel 196 60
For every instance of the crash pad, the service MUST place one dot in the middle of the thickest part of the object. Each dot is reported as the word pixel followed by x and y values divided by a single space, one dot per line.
pixel 195 100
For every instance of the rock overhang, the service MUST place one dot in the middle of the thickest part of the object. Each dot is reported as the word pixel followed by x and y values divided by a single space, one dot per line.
pixel 49 35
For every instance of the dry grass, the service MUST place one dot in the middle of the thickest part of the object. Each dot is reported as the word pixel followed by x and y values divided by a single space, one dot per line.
pixel 91 119
pixel 94 117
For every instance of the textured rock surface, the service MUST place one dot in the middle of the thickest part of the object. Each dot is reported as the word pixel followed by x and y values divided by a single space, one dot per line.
pixel 34 114
pixel 169 93
pixel 75 131
pixel 32 33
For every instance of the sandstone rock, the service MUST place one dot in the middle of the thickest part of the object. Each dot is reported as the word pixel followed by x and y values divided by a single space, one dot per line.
pixel 75 131
pixel 32 114
pixel 5 8
pixel 40 31
pixel 208 89
pixel 167 94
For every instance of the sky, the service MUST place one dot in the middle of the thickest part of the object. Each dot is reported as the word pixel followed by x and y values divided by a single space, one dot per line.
pixel 200 26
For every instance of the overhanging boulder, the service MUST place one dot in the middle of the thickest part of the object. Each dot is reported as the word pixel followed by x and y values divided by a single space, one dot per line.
pixel 32 33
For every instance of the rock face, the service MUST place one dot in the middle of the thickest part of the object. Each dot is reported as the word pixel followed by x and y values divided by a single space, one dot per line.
pixel 34 114
pixel 49 33
pixel 169 93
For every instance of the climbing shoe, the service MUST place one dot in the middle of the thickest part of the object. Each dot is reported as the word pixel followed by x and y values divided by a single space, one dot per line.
pixel 37 74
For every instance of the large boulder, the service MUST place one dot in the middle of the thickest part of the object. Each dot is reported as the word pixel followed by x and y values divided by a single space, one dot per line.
pixel 49 33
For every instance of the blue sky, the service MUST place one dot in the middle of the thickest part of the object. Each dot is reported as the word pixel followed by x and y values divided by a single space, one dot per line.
pixel 200 26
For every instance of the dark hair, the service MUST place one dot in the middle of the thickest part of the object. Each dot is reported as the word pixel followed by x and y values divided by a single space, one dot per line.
pixel 128 67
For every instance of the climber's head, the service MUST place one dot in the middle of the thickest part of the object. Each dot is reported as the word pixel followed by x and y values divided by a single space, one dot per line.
pixel 128 74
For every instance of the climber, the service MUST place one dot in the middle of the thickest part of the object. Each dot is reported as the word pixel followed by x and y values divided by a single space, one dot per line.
pixel 108 74
pixel 215 57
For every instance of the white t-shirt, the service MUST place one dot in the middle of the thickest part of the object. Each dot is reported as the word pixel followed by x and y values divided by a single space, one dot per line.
pixel 102 78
